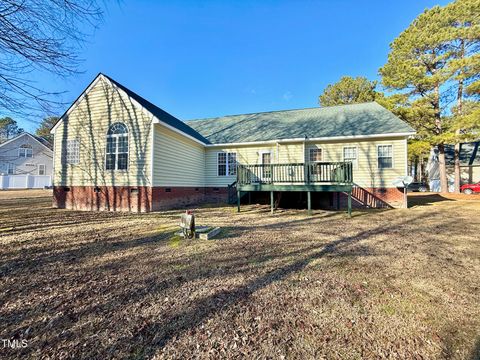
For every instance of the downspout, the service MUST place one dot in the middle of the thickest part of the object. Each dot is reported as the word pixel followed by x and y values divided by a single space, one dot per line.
pixel 52 176
pixel 304 148
pixel 305 172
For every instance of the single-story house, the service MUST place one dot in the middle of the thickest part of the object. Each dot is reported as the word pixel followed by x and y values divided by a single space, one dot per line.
pixel 469 157
pixel 114 150
pixel 26 161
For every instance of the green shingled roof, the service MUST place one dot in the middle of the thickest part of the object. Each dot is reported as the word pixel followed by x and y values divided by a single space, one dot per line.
pixel 345 120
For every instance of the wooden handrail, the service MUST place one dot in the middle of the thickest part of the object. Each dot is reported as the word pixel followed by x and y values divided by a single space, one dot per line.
pixel 304 173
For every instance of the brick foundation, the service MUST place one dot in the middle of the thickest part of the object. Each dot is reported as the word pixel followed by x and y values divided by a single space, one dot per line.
pixel 377 198
pixel 134 198
pixel 216 195
pixel 145 199
pixel 103 198
pixel 176 197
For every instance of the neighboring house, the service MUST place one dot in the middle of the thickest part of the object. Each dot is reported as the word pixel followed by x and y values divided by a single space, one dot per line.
pixel 26 161
pixel 469 165
pixel 115 150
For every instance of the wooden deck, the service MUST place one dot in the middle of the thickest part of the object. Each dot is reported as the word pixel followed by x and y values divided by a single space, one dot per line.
pixel 306 177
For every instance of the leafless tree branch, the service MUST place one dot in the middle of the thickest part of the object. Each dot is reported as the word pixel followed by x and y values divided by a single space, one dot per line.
pixel 40 35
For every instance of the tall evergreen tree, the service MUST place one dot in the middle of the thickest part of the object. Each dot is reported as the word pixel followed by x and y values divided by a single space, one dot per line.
pixel 349 90
pixel 463 40
pixel 416 67
pixel 8 129
pixel 44 128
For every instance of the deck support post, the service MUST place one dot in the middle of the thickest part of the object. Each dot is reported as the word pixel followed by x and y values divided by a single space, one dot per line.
pixel 350 204
pixel 238 200
pixel 309 203
pixel 272 204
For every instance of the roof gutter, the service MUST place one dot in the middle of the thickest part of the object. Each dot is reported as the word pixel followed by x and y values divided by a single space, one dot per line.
pixel 309 140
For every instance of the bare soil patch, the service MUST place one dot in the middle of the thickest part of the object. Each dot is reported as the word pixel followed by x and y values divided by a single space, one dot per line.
pixel 385 284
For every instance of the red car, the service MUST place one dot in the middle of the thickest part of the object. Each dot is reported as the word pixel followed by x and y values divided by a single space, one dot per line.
pixel 470 188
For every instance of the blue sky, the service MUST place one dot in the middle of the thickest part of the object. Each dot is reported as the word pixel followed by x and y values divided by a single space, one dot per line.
pixel 210 58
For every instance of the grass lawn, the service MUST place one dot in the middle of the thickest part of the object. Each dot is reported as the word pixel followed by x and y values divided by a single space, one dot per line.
pixel 384 284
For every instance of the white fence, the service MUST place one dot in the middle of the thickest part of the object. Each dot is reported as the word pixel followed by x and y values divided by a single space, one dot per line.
pixel 24 181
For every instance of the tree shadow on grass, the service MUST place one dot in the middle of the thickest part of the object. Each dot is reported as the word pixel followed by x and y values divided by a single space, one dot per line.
pixel 158 335
pixel 426 199
pixel 475 353
pixel 154 336
pixel 151 337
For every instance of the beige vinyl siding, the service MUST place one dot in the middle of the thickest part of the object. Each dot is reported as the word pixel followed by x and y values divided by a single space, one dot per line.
pixel 366 174
pixel 245 155
pixel 178 161
pixel 290 153
pixel 89 121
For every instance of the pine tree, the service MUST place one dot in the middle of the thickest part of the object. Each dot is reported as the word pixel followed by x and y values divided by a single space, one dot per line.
pixel 349 90
pixel 416 67
pixel 44 128
pixel 463 40
pixel 8 129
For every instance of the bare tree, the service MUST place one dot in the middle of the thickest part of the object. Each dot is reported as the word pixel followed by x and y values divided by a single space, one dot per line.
pixel 40 35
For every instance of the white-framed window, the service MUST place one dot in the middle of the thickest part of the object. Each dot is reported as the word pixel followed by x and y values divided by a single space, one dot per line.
pixel 25 151
pixel 11 169
pixel 350 153
pixel 226 164
pixel 117 147
pixel 315 156
pixel 41 169
pixel 72 155
pixel 385 156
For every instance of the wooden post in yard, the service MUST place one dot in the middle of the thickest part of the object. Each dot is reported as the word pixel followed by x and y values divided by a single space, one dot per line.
pixel 349 204
pixel 238 200
pixel 271 202
pixel 309 202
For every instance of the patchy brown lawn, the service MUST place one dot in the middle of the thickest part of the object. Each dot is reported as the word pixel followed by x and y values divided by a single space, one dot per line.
pixel 16 194
pixel 384 284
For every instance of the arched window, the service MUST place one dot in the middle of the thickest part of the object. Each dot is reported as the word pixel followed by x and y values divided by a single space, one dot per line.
pixel 117 147
pixel 25 151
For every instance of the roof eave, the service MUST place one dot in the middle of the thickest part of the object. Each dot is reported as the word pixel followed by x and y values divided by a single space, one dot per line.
pixel 325 138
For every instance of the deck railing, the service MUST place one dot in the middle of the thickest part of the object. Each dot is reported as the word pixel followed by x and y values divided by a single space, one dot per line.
pixel 295 173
